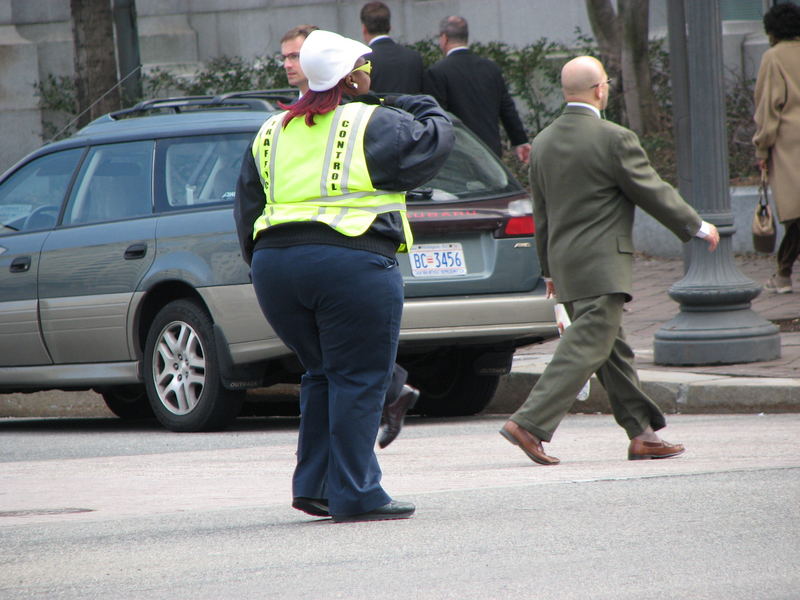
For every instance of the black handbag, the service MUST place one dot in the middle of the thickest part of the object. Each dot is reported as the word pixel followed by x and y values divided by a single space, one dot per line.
pixel 763 220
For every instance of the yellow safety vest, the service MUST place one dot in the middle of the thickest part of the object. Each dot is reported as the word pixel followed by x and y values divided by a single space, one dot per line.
pixel 304 183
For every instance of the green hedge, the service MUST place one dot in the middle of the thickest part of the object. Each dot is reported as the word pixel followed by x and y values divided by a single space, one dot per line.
pixel 532 73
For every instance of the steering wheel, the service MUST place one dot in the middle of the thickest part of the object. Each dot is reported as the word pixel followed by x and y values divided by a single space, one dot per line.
pixel 41 218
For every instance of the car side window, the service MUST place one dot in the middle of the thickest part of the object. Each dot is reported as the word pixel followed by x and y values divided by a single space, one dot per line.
pixel 31 198
pixel 115 182
pixel 199 170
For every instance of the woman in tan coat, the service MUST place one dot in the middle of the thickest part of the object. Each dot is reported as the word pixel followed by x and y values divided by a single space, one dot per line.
pixel 777 137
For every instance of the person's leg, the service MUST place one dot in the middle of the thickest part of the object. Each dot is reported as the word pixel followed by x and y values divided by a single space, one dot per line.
pixel 275 274
pixel 633 410
pixel 585 345
pixel 398 380
pixel 358 301
pixel 789 249
pixel 400 397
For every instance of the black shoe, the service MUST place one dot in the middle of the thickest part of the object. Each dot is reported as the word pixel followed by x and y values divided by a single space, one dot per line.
pixel 394 414
pixel 387 512
pixel 317 507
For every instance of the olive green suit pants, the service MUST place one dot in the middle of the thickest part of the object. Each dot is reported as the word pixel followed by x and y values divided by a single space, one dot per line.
pixel 593 344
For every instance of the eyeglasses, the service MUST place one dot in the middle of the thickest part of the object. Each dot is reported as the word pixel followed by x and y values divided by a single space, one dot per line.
pixel 366 67
pixel 608 81
pixel 292 56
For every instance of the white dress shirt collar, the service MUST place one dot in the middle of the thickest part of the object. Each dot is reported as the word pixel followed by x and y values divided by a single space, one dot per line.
pixel 584 105
pixel 378 37
pixel 456 49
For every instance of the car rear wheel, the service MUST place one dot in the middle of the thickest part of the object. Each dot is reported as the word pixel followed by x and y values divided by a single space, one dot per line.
pixel 449 385
pixel 181 371
pixel 128 401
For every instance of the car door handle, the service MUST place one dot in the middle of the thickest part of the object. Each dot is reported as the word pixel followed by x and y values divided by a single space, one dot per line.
pixel 20 264
pixel 135 251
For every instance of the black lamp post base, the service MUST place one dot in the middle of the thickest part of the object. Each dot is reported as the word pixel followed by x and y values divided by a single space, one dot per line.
pixel 720 337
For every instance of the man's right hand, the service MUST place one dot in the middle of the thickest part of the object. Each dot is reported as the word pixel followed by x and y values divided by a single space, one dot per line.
pixel 712 238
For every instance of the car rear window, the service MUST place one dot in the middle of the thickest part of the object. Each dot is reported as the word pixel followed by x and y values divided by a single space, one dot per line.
pixel 471 171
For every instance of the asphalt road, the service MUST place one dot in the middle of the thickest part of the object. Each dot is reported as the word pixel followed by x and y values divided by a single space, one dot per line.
pixel 96 508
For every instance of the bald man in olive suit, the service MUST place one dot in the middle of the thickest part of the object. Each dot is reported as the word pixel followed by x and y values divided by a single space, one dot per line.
pixel 587 175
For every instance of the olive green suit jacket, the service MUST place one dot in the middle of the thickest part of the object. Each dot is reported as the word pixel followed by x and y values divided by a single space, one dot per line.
pixel 587 175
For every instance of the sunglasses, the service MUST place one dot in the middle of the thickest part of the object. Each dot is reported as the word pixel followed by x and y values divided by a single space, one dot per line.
pixel 366 67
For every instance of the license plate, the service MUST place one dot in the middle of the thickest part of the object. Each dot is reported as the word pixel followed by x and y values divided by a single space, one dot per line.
pixel 437 260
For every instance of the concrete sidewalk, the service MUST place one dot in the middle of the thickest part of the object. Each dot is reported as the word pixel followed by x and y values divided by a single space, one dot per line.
pixel 772 386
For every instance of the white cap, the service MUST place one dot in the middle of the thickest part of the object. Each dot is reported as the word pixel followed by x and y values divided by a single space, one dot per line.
pixel 326 57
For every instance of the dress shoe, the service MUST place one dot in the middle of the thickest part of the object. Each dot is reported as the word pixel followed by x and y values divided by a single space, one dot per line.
pixel 387 512
pixel 530 444
pixel 394 413
pixel 641 450
pixel 317 507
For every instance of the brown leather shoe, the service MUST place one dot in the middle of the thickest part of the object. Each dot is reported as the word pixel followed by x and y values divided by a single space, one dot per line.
pixel 530 444
pixel 641 450
pixel 394 414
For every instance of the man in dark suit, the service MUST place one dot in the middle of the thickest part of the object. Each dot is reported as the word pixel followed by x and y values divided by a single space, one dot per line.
pixel 587 175
pixel 395 68
pixel 472 88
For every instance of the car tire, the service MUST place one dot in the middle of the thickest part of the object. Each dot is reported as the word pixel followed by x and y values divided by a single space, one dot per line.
pixel 450 387
pixel 128 402
pixel 181 371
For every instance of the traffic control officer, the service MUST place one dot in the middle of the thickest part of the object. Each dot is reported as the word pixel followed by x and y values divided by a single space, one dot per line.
pixel 320 213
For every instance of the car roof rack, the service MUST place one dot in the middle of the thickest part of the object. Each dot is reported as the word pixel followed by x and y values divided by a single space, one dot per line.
pixel 257 100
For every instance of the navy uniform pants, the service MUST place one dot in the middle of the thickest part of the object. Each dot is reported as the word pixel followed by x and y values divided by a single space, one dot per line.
pixel 339 311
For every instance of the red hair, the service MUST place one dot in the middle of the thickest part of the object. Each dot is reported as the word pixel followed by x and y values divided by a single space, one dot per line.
pixel 313 103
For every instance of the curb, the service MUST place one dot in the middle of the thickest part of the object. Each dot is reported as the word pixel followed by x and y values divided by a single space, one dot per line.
pixel 673 391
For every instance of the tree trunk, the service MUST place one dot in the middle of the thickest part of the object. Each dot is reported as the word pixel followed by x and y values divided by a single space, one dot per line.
pixel 622 38
pixel 95 61
pixel 640 101
pixel 607 32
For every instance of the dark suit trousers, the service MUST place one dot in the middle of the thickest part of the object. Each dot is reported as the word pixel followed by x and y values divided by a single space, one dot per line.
pixel 594 343
pixel 396 383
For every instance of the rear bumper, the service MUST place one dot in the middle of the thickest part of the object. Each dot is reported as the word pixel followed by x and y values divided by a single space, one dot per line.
pixel 490 319
pixel 516 319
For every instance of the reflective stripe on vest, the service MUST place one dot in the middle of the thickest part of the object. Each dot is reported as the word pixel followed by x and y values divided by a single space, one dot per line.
pixel 320 173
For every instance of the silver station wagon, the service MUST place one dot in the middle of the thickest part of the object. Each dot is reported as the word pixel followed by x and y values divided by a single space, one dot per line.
pixel 120 270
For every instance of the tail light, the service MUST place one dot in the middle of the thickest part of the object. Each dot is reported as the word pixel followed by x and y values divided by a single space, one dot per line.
pixel 517 226
pixel 519 222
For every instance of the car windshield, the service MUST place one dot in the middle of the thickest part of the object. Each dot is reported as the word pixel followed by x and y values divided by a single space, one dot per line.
pixel 471 171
